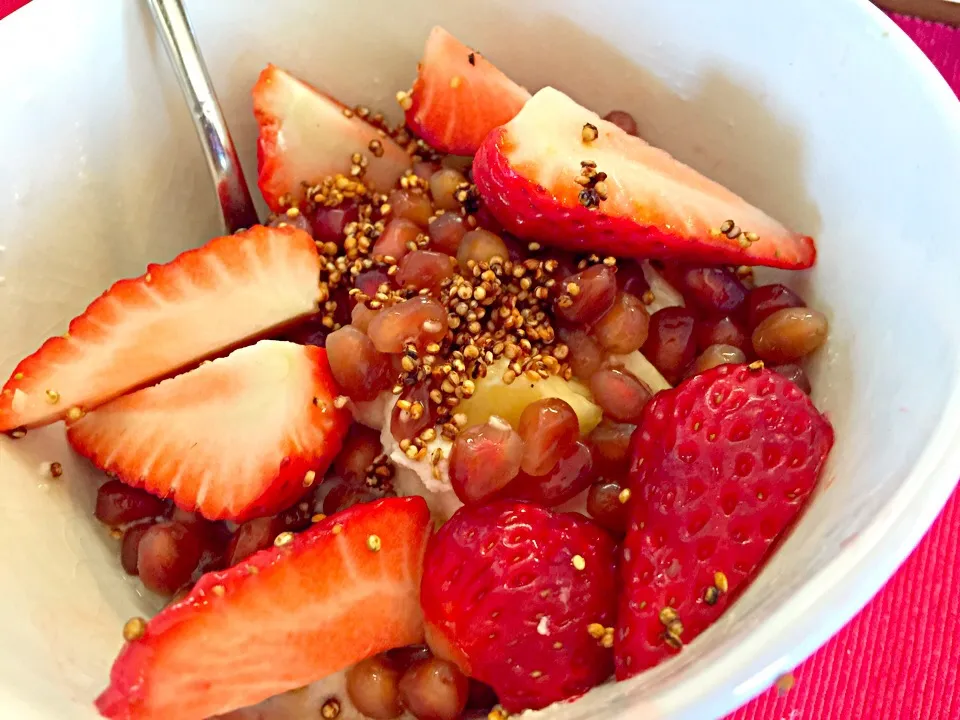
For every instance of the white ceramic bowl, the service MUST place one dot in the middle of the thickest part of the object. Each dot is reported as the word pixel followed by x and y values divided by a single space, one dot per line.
pixel 819 111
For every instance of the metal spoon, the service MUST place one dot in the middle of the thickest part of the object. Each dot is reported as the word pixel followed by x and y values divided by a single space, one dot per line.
pixel 235 202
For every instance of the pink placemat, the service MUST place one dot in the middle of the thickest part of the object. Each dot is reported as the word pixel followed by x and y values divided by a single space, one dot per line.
pixel 900 658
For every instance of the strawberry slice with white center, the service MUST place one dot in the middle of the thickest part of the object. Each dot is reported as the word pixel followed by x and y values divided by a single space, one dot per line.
pixel 235 438
pixel 635 200
pixel 205 301
pixel 306 136
pixel 459 96
pixel 343 590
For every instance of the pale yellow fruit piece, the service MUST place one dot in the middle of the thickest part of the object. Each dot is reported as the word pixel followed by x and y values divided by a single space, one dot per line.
pixel 664 294
pixel 642 369
pixel 494 397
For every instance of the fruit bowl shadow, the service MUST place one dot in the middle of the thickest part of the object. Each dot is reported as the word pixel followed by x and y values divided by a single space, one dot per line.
pixel 801 110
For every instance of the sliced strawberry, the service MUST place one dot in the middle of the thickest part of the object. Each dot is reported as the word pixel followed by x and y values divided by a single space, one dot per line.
pixel 306 136
pixel 283 618
pixel 655 206
pixel 520 598
pixel 722 466
pixel 459 96
pixel 233 438
pixel 207 300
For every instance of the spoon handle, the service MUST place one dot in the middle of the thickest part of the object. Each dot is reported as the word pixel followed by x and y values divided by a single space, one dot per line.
pixel 178 38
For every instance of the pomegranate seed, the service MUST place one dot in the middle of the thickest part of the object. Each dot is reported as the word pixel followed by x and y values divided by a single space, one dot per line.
pixel 434 689
pixel 328 222
pixel 548 428
pixel 517 250
pixel 251 537
pixel 359 450
pixel 359 369
pixel 484 458
pixel 487 221
pixel 586 355
pixel 412 205
pixel 404 657
pixel 721 331
pixel 591 294
pixel 311 331
pixel 360 317
pixel 425 270
pixel 418 321
pixel 344 304
pixel 620 394
pixel 624 327
pixel 395 237
pixel 446 232
pixel 130 547
pixel 481 246
pixel 570 476
pixel 630 278
pixel 443 187
pixel 604 506
pixel 168 554
pixel 369 282
pixel 789 334
pixel 188 518
pixel 610 443
pixel 425 170
pixel 299 516
pixel 715 290
pixel 347 494
pixel 408 421
pixel 795 374
pixel 764 300
pixel 373 687
pixel 622 120
pixel 298 221
pixel 671 345
pixel 119 504
pixel 717 355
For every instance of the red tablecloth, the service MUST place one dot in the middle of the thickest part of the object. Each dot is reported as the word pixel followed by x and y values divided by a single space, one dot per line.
pixel 900 658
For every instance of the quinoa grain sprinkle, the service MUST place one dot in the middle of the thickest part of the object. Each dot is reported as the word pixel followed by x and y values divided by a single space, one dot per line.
pixel 134 629
pixel 330 709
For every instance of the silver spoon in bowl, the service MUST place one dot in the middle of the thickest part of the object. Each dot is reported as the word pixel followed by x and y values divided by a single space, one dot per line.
pixel 236 204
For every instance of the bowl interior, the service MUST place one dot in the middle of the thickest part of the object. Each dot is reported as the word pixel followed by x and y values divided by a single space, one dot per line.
pixel 824 115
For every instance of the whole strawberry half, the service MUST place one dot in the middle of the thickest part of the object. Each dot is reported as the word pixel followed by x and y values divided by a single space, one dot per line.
pixel 459 96
pixel 239 437
pixel 306 136
pixel 343 590
pixel 722 466
pixel 632 199
pixel 511 593
pixel 203 302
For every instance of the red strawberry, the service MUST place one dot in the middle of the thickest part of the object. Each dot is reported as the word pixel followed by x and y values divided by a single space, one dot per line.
pixel 205 301
pixel 459 96
pixel 655 206
pixel 512 592
pixel 722 466
pixel 283 618
pixel 234 438
pixel 306 136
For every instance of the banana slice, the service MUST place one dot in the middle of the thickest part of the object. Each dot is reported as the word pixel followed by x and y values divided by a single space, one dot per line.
pixel 664 294
pixel 494 397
